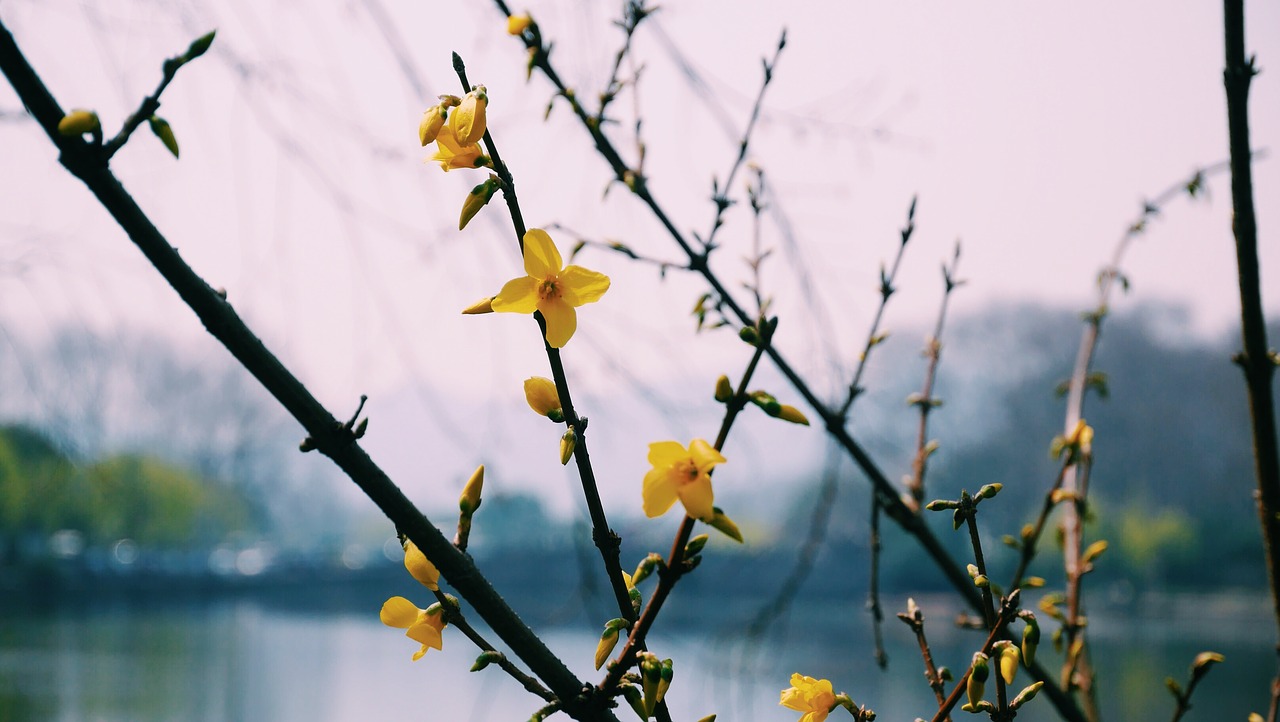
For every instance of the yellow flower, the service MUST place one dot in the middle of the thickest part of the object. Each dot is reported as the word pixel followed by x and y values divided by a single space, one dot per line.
pixel 468 120
pixel 423 626
pixel 680 473
pixel 470 499
pixel 550 287
pixel 812 696
pixel 542 396
pixel 420 567
pixel 451 154
pixel 517 24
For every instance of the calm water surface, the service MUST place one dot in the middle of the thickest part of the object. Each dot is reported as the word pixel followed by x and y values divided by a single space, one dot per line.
pixel 242 660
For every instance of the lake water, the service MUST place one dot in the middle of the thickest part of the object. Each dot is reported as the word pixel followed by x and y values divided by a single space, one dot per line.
pixel 243 659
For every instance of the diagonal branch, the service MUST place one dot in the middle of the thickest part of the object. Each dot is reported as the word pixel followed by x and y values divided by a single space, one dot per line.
pixel 330 436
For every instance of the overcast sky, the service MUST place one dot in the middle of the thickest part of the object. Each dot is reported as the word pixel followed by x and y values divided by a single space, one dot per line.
pixel 1031 131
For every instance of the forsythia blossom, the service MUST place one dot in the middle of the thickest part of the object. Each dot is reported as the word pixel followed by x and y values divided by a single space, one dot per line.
pixel 812 696
pixel 423 626
pixel 550 287
pixel 450 153
pixel 680 473
pixel 468 120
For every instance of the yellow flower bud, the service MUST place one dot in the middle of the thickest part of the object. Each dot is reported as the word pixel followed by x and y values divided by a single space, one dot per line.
pixel 420 567
pixel 724 524
pixel 470 499
pixel 792 414
pixel 542 396
pixel 1030 640
pixel 432 122
pixel 608 641
pixel 1009 659
pixel 568 443
pixel 516 25
pixel 79 122
pixel 478 198
pixel 468 121
pixel 484 305
pixel 977 679
pixel 724 389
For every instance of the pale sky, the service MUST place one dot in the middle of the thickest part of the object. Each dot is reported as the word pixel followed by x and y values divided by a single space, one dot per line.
pixel 1030 131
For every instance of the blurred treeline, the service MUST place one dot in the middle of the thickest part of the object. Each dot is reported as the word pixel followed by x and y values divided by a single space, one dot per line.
pixel 130 438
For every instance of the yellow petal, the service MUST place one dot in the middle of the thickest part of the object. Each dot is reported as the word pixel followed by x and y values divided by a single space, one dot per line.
pixel 578 285
pixel 697 498
pixel 704 455
pixel 561 319
pixel 519 295
pixel 541 259
pixel 426 634
pixel 399 612
pixel 420 567
pixel 659 493
pixel 665 453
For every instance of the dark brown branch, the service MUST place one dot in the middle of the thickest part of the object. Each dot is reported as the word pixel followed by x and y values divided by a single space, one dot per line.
pixel 1256 360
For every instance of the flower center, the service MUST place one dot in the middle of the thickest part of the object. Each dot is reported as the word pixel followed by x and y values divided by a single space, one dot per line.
pixel 547 289
pixel 685 472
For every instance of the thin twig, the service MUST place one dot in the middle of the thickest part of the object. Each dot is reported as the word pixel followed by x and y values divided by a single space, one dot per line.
pixel 454 616
pixel 914 618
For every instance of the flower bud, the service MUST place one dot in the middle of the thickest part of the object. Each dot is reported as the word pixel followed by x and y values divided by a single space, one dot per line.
pixel 978 678
pixel 792 414
pixel 79 122
pixel 542 396
pixel 725 525
pixel 568 443
pixel 695 545
pixel 199 47
pixel 432 122
pixel 478 198
pixel 668 673
pixel 161 128
pixel 517 24
pixel 1030 639
pixel 989 491
pixel 470 499
pixel 608 640
pixel 468 121
pixel 420 567
pixel 484 305
pixel 486 658
pixel 724 390
pixel 1094 551
pixel 1027 694
pixel 1009 658
pixel 750 335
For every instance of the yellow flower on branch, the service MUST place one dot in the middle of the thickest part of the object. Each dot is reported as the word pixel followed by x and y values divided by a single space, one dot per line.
pixel 424 626
pixel 450 153
pixel 812 696
pixel 680 473
pixel 550 287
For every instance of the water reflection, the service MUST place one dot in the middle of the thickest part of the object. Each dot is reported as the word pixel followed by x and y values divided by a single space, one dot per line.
pixel 242 659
